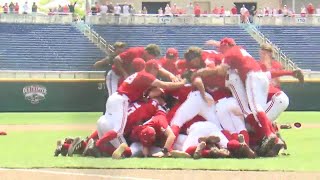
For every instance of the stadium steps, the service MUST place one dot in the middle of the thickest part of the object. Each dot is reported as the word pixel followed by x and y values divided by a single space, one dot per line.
pixel 46 47
pixel 180 37
pixel 299 43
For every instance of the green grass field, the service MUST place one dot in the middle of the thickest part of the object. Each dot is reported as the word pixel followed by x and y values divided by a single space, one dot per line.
pixel 34 149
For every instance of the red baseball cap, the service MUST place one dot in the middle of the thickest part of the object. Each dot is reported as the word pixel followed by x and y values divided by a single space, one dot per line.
pixel 147 136
pixel 227 42
pixel 152 64
pixel 138 64
pixel 172 52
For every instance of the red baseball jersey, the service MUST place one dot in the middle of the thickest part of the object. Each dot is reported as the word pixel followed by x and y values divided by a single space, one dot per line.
pixel 127 57
pixel 238 58
pixel 171 65
pixel 136 84
pixel 181 93
pixel 139 112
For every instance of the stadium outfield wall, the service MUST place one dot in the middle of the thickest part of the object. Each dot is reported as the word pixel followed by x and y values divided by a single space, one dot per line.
pixel 70 95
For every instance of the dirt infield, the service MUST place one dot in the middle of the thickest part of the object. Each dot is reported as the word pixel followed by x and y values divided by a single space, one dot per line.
pixel 138 174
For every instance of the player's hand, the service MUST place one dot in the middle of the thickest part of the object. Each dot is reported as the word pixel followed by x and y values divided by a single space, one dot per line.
pixel 213 43
pixel 175 79
pixel 299 75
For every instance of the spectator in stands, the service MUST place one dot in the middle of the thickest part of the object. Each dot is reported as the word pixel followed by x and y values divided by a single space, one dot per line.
pixel 174 9
pixel 274 12
pixel 6 8
pixel 310 9
pixel 110 8
pixel 25 8
pixel 303 11
pixel 160 11
pixel 252 13
pixel 11 7
pixel 244 14
pixel 104 9
pixel 260 13
pixel 125 9
pixel 285 11
pixel 167 10
pixel 60 9
pixel 222 11
pixel 72 6
pixel 197 10
pixel 131 9
pixel 234 10
pixel 97 5
pixel 144 10
pixel 94 10
pixel 280 11
pixel 216 10
pixel 266 11
pixel 65 9
pixel 190 9
pixel 117 10
pixel 16 8
pixel 318 10
pixel 34 7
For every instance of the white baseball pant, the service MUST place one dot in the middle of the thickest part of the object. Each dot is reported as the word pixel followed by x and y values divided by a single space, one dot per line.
pixel 230 115
pixel 178 144
pixel 115 118
pixel 136 149
pixel 279 103
pixel 203 129
pixel 112 80
pixel 195 105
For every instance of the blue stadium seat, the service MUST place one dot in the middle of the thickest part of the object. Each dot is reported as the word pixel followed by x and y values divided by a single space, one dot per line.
pixel 300 43
pixel 46 47
pixel 180 37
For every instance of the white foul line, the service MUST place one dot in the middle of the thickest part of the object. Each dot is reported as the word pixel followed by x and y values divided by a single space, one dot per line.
pixel 75 174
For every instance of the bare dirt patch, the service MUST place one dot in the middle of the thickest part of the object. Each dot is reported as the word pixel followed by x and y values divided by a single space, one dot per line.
pixel 141 174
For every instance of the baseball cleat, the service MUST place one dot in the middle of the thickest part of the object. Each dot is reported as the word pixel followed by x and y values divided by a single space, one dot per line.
pixel 241 138
pixel 213 140
pixel 89 146
pixel 179 154
pixel 267 144
pixel 245 151
pixel 2 133
pixel 76 142
pixel 219 153
pixel 117 154
pixel 200 147
pixel 58 148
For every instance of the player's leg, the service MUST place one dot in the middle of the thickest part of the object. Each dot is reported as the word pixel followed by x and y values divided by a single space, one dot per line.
pixel 136 149
pixel 224 115
pixel 278 104
pixel 112 80
pixel 116 116
pixel 208 112
pixel 179 142
pixel 236 86
pixel 188 110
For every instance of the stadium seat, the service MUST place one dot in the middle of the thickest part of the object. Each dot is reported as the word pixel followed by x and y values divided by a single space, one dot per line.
pixel 299 43
pixel 46 47
pixel 180 37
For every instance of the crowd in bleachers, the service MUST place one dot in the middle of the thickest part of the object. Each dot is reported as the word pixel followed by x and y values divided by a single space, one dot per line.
pixel 14 8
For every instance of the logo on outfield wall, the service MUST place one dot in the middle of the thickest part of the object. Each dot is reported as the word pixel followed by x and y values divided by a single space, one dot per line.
pixel 34 93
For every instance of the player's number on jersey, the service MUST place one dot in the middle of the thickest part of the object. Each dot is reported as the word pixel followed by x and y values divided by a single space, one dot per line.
pixel 245 53
pixel 130 79
pixel 133 107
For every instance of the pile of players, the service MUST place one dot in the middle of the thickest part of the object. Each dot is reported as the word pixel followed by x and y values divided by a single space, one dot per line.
pixel 211 104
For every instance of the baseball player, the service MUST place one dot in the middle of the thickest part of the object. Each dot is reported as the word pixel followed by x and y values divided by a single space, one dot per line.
pixel 111 126
pixel 170 62
pixel 112 76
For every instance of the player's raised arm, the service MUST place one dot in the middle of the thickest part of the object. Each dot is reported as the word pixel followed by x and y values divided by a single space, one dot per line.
pixel 168 85
pixel 197 82
pixel 118 62
pixel 164 73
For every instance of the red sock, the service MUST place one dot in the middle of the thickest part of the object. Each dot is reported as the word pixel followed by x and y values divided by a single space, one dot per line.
pixel 108 136
pixel 127 152
pixel 205 153
pixel 175 130
pixel 191 150
pixel 227 134
pixel 233 145
pixel 245 135
pixel 107 149
pixel 234 136
pixel 263 119
pixel 94 135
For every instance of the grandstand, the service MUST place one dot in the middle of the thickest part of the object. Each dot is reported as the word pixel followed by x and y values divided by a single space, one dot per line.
pixel 46 47
pixel 180 37
pixel 300 43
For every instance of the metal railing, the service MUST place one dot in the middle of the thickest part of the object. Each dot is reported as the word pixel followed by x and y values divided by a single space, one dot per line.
pixel 153 19
pixel 36 18
pixel 295 20
pixel 261 38
pixel 94 37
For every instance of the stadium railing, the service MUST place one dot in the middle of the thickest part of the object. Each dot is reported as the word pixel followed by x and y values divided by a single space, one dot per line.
pixel 295 20
pixel 36 18
pixel 152 19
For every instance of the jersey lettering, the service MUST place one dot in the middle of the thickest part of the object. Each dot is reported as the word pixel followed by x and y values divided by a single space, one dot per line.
pixel 130 79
